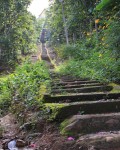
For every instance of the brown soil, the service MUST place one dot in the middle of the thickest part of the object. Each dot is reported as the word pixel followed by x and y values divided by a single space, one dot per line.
pixel 48 137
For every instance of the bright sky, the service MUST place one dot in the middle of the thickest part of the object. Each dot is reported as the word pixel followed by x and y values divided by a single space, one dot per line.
pixel 37 6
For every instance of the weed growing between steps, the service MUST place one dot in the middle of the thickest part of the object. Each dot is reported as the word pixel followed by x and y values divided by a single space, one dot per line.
pixel 24 88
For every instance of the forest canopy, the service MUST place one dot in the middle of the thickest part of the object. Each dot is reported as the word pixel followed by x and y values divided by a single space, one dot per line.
pixel 17 30
pixel 92 32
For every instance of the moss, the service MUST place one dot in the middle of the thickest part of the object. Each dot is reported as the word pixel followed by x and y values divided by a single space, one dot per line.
pixel 62 128
pixel 63 125
pixel 4 77
pixel 53 110
pixel 42 91
pixel 116 88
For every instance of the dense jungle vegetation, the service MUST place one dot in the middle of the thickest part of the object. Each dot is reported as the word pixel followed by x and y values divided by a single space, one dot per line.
pixel 92 50
pixel 22 81
pixel 93 30
pixel 16 30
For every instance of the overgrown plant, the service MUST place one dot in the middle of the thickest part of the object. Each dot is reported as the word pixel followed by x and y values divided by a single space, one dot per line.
pixel 25 86
pixel 85 62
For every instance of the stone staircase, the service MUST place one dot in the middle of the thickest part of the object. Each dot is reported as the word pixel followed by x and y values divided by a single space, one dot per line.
pixel 75 96
pixel 87 110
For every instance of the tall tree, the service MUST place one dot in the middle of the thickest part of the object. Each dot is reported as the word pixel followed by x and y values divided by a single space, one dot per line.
pixel 17 29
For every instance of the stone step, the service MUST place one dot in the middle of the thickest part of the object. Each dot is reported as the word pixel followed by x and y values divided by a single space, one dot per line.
pixel 84 124
pixel 80 97
pixel 74 83
pixel 69 78
pixel 83 89
pixel 64 82
pixel 45 57
pixel 73 80
pixel 99 141
pixel 65 110
pixel 77 86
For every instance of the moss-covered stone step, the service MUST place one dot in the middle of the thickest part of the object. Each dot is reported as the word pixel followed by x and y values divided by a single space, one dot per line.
pixel 54 76
pixel 84 124
pixel 69 78
pixel 74 83
pixel 61 111
pixel 77 86
pixel 84 89
pixel 73 80
pixel 80 97
pixel 98 141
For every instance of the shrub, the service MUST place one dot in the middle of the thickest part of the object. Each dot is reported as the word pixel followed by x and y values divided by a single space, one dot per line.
pixel 101 66
pixel 5 95
pixel 27 80
pixel 26 85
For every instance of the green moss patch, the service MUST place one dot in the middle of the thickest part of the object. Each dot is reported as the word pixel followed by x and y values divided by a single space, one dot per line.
pixel 116 88
pixel 53 110
pixel 62 128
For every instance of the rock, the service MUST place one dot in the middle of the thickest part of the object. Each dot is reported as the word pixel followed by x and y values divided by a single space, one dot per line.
pixel 84 124
pixel 27 126
pixel 36 125
pixel 109 139
pixel 5 143
pixel 112 122
pixel 21 143
pixel 34 135
pixel 101 140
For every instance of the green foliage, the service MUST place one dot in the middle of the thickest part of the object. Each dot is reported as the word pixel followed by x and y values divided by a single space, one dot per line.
pixel 78 17
pixel 78 51
pixel 108 5
pixel 39 25
pixel 17 30
pixel 95 54
pixel 103 4
pixel 113 43
pixel 27 80
pixel 5 95
pixel 67 51
pixel 93 64
pixel 25 86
